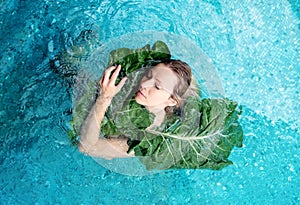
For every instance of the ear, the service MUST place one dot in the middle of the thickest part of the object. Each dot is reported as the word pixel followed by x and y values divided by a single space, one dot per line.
pixel 172 101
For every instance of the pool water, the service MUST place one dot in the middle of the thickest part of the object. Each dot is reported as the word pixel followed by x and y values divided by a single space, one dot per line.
pixel 254 45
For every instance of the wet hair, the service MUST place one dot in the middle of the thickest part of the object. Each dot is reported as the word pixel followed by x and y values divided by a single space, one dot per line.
pixel 183 86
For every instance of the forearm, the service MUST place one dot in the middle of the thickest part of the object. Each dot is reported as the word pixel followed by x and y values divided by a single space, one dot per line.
pixel 92 126
pixel 108 148
pixel 90 142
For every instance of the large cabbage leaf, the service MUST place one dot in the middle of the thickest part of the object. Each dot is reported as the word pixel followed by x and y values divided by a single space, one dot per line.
pixel 202 140
pixel 202 137
pixel 134 59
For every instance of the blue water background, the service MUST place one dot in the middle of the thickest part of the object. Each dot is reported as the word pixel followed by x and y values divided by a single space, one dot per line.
pixel 254 45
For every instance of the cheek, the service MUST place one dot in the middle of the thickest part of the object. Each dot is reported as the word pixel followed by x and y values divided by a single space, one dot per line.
pixel 159 96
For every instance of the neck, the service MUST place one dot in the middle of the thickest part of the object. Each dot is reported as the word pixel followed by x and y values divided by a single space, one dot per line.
pixel 159 116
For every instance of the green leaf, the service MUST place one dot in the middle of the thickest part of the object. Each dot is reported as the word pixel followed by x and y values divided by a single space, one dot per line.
pixel 134 59
pixel 161 47
pixel 198 141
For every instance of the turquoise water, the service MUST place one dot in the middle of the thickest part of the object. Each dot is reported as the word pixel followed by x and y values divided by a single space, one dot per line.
pixel 253 45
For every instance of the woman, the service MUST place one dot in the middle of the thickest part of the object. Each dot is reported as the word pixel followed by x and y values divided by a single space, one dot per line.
pixel 160 91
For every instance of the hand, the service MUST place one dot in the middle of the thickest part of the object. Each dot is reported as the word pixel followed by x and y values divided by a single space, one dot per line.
pixel 108 85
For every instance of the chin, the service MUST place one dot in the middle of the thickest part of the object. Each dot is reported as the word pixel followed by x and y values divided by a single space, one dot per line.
pixel 139 100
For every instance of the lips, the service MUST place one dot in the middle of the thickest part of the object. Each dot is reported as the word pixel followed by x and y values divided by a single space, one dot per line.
pixel 141 94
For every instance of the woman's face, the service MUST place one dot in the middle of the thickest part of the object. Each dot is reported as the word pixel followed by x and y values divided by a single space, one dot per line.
pixel 156 88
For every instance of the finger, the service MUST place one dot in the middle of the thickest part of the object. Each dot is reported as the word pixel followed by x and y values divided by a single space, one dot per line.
pixel 101 80
pixel 116 73
pixel 106 74
pixel 111 68
pixel 121 83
